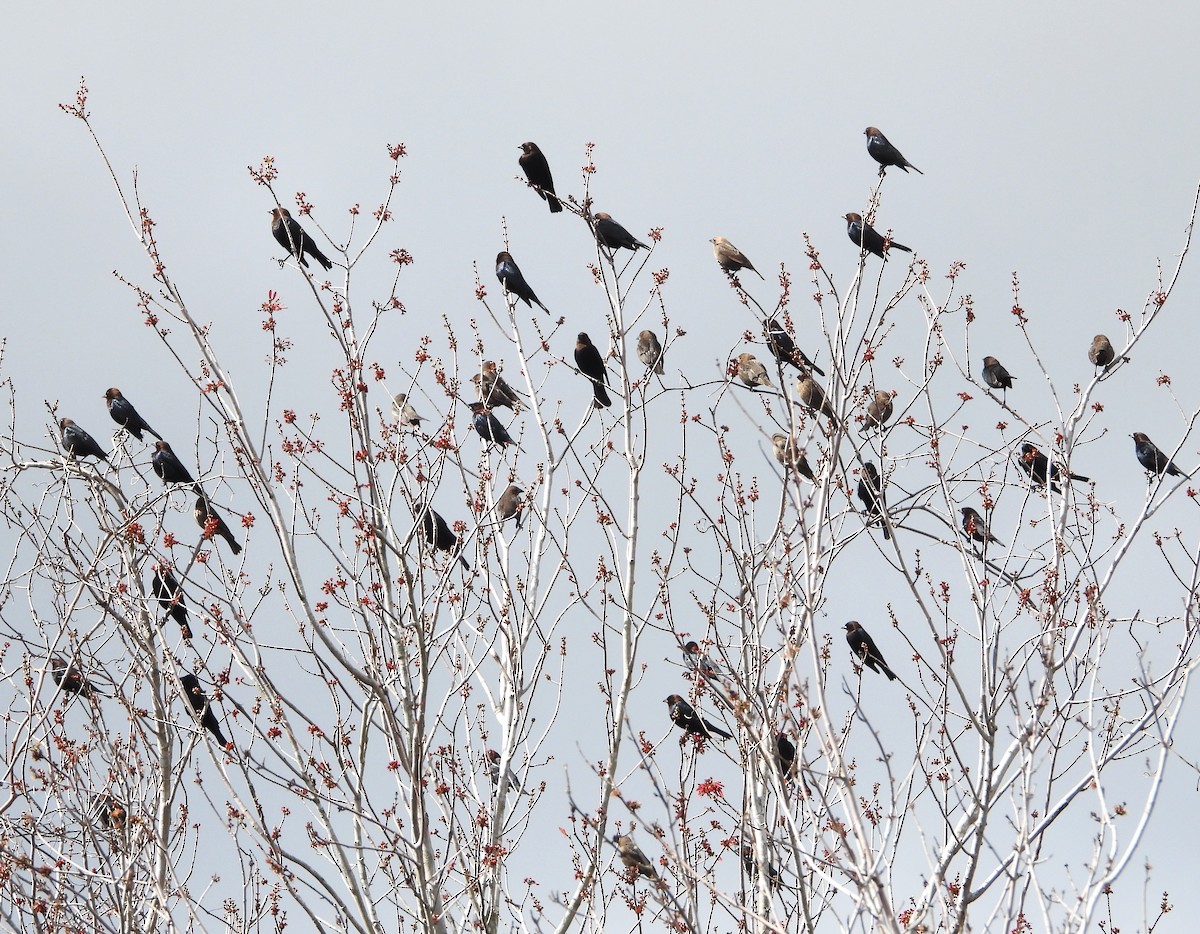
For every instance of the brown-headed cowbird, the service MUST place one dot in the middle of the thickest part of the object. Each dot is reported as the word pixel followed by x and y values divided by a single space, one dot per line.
pixel 109 812
pixel 591 365
pixel 1154 460
pixel 493 769
pixel 870 491
pixel 730 258
pixel 537 170
pixel 697 660
pixel 509 274
pixel 995 375
pixel 633 858
pixel 863 646
pixel 511 503
pixel 753 373
pixel 879 410
pixel 866 237
pixel 813 397
pixel 684 716
pixel 785 755
pixel 650 351
pixel 493 389
pixel 488 427
pixel 404 412
pixel 77 442
pixel 170 468
pixel 291 236
pixel 789 455
pixel 125 415
pixel 784 349
pixel 439 536
pixel 1101 352
pixel 1040 468
pixel 70 679
pixel 169 594
pixel 211 522
pixel 885 153
pixel 202 707
pixel 614 236
pixel 976 528
pixel 774 879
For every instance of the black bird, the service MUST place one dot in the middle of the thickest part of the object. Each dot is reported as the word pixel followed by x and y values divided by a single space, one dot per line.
pixel 995 375
pixel 537 170
pixel 493 388
pixel 169 594
pixel 125 415
pixel 493 769
pixel 70 679
pixel 885 153
pixel 591 365
pixel 439 536
pixel 870 491
pixel 171 468
pixel 488 427
pixel 976 528
pixel 110 812
pixel 1040 468
pixel 78 442
pixel 633 857
pixel 785 755
pixel 1154 460
pixel 774 879
pixel 868 238
pixel 697 660
pixel 291 236
pixel 205 512
pixel 614 236
pixel 784 349
pixel 863 646
pixel 202 707
pixel 511 503
pixel 685 717
pixel 509 274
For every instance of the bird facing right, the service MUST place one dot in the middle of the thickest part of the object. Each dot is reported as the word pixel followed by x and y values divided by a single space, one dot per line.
pixel 752 373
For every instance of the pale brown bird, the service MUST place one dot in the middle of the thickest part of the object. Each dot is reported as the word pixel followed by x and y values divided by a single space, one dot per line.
pixel 813 397
pixel 493 388
pixel 878 412
pixel 788 453
pixel 511 503
pixel 1101 352
pixel 633 858
pixel 976 528
pixel 730 258
pixel 404 412
pixel 752 373
pixel 650 351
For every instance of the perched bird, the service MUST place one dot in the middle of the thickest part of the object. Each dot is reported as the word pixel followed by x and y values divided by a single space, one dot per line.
pixel 511 503
pixel 211 522
pixel 684 716
pixel 170 468
pixel 591 365
pixel 879 410
pixel 1154 460
pixel 870 491
pixel 730 258
pixel 493 769
pixel 439 536
pixel 70 679
pixel 885 153
pixel 1040 468
pixel 753 373
pixel 698 660
pixel 788 453
pixel 785 755
pixel 813 397
pixel 650 351
pixel 614 236
pixel 784 349
pixel 109 812
pixel 202 707
pixel 488 427
pixel 125 415
pixel 995 375
pixel 509 274
pixel 1101 352
pixel 633 858
pixel 537 170
pixel 291 236
pixel 868 238
pixel 79 443
pixel 493 389
pixel 169 594
pixel 404 412
pixel 774 879
pixel 862 645
pixel 976 528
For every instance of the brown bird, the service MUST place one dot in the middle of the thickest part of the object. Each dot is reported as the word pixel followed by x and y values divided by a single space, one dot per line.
pixel 110 812
pixel 125 415
pixel 211 522
pixel 202 707
pixel 868 238
pixel 752 373
pixel 870 491
pixel 995 375
pixel 77 442
pixel 730 258
pixel 404 412
pixel 614 236
pixel 169 594
pixel 863 646
pixel 591 365
pixel 70 679
pixel 511 503
pixel 1040 468
pixel 650 351
pixel 633 858
pixel 684 716
pixel 784 349
pixel 537 170
pixel 291 236
pixel 885 153
pixel 976 528
pixel 493 388
pixel 878 412
pixel 788 453
pixel 1101 352
pixel 439 536
pixel 813 397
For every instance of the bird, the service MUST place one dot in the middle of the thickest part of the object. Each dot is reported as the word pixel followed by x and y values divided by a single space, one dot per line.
pixel 879 410
pixel 870 491
pixel 70 679
pixel 591 365
pixel 1154 460
pixel 170 468
pixel 1101 352
pixel 291 236
pixel 650 351
pixel 868 238
pixel 633 858
pixel 125 415
pixel 511 503
pixel 976 528
pixel 774 879
pixel 537 170
pixel 788 453
pixel 404 411
pixel 730 258
pixel 785 755
pixel 110 812
pixel 206 513
pixel 169 594
pixel 995 375
pixel 698 660
pixel 614 236
pixel 813 397
pixel 488 427
pixel 784 349
pixel 439 536
pixel 863 646
pixel 493 769
pixel 885 153
pixel 78 442
pixel 202 707
pixel 493 388
pixel 1040 468
pixel 752 373
pixel 684 716
pixel 509 274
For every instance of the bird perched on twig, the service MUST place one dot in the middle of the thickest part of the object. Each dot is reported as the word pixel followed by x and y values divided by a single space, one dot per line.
pixel 110 812
pixel 752 373
pixel 885 153
pixel 170 468
pixel 537 170
pixel 509 274
pixel 789 455
pixel 863 646
pixel 70 679
pixel 1040 468
pixel 511 503
pixel 785 755
pixel 439 536
pixel 404 412
pixel 169 594
pixel 77 442
pixel 633 858
pixel 870 491
pixel 1150 457
pixel 774 879
pixel 211 522
pixel 879 410
pixel 488 427
pixel 813 397
pixel 730 258
pixel 784 349
pixel 202 707
pixel 650 351
pixel 684 716
pixel 866 237
pixel 995 375
pixel 125 415
pixel 976 528
pixel 1101 352
pixel 493 388
pixel 614 236
pixel 697 660
pixel 591 365
pixel 493 769
pixel 291 236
